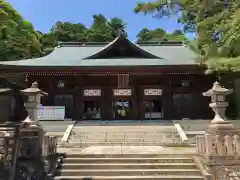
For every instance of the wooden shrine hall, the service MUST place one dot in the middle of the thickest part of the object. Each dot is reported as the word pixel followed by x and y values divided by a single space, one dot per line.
pixel 120 80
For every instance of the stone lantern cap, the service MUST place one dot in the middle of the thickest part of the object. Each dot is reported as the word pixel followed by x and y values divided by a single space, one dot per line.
pixel 33 90
pixel 217 89
pixel 5 90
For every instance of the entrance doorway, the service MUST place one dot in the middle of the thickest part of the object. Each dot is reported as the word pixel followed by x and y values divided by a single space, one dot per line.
pixel 91 110
pixel 122 109
pixel 153 109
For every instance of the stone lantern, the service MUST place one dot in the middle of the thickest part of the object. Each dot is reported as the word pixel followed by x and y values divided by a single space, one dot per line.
pixel 30 163
pixel 32 104
pixel 219 125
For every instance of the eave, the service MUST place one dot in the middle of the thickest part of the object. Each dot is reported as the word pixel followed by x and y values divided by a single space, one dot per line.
pixel 137 70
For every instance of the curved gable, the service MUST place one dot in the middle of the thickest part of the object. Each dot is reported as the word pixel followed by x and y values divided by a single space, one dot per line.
pixel 122 47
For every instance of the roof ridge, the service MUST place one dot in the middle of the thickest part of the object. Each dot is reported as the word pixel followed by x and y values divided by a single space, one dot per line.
pixel 70 44
pixel 140 43
pixel 159 43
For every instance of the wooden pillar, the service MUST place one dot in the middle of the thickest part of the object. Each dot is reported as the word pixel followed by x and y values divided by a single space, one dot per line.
pixel 49 99
pixel 134 108
pixel 78 103
pixel 107 101
pixel 20 112
pixel 102 104
pixel 167 99
pixel 141 106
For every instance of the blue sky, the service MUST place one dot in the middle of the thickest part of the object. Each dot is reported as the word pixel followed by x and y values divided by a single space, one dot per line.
pixel 44 13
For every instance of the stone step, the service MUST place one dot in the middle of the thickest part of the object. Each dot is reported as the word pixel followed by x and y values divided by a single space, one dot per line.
pixel 127 172
pixel 139 156
pixel 169 144
pixel 133 138
pixel 127 134
pixel 66 166
pixel 134 141
pixel 177 177
pixel 129 160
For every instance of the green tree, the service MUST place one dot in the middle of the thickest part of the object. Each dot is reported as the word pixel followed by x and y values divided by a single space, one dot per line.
pixel 102 30
pixel 48 42
pixel 99 31
pixel 215 22
pixel 115 24
pixel 68 32
pixel 144 35
pixel 159 34
pixel 18 39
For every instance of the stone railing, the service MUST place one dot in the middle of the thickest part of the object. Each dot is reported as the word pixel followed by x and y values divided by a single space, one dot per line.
pixel 8 149
pixel 49 145
pixel 181 133
pixel 49 155
pixel 217 145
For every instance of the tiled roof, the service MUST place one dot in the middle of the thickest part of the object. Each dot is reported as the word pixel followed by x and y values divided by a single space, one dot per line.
pixel 76 54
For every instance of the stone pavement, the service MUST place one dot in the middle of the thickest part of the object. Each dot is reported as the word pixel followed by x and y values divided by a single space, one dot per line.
pixel 55 126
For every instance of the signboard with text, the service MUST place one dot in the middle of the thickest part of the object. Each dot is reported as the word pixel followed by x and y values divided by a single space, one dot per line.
pixel 51 113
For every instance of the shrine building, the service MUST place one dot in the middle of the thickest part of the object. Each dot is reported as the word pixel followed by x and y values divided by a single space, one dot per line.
pixel 119 80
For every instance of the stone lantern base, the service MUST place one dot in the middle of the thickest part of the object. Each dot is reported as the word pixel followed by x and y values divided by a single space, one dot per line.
pixel 221 128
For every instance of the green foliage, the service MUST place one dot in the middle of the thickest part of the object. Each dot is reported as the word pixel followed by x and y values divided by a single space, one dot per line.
pixel 65 31
pixel 159 34
pixel 115 24
pixel 101 30
pixel 215 22
pixel 18 39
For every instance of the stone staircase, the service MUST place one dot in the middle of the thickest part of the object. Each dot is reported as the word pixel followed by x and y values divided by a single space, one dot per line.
pixel 127 166
pixel 124 135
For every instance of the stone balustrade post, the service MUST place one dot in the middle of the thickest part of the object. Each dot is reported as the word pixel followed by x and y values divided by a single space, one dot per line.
pixel 229 145
pixel 220 147
pixel 208 144
pixel 237 141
